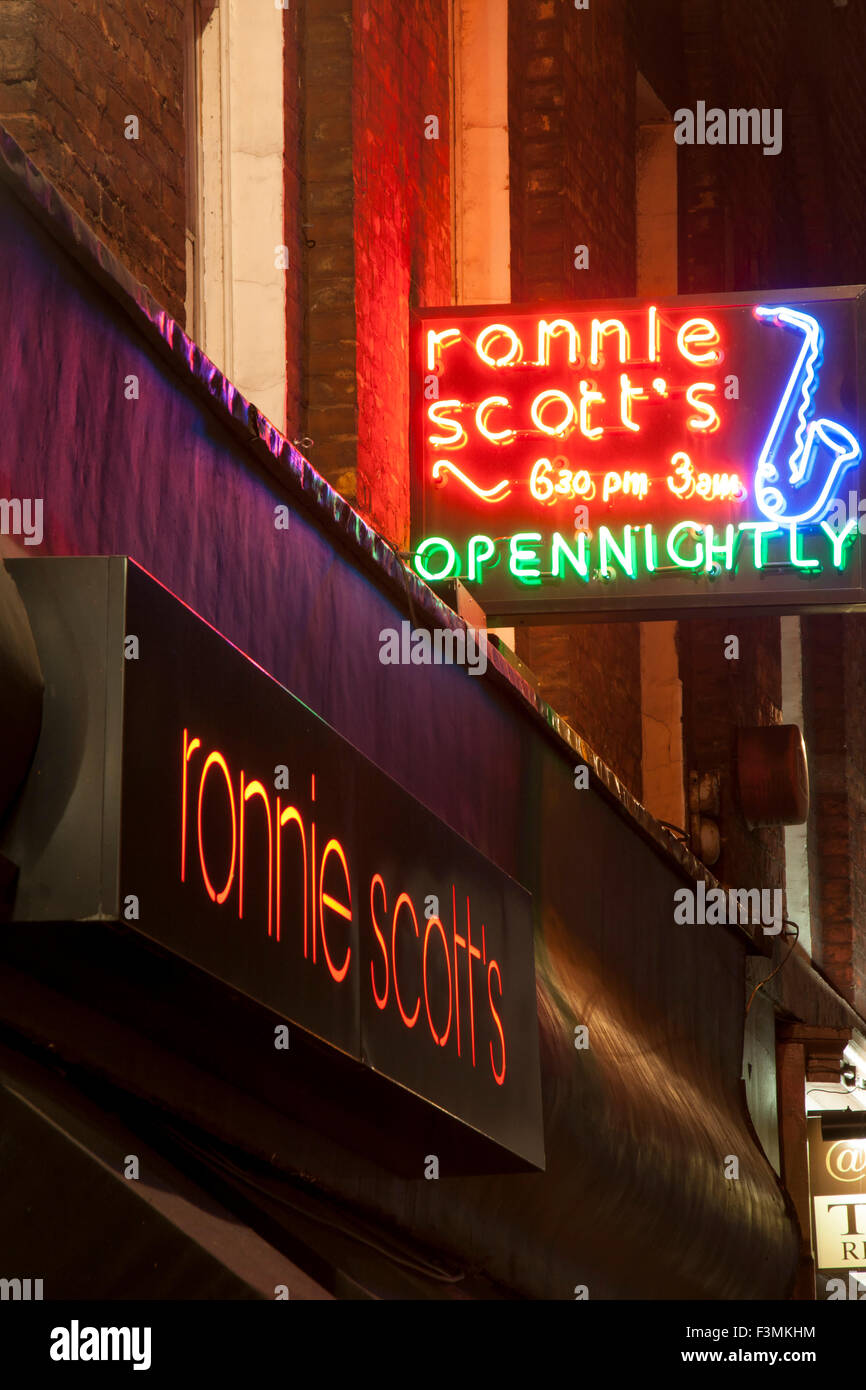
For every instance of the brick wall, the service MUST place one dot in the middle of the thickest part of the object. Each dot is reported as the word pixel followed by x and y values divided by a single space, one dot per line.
pixel 329 408
pixel 726 237
pixel 735 56
pixel 377 200
pixel 834 661
pixel 749 221
pixel 590 674
pixel 572 129
pixel 402 229
pixel 70 73
pixel 293 215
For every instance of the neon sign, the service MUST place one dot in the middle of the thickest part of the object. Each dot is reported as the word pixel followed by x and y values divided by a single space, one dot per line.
pixel 811 487
pixel 273 856
pixel 273 884
pixel 639 457
pixel 314 894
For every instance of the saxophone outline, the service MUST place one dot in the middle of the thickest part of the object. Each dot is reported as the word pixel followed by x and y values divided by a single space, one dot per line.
pixel 809 435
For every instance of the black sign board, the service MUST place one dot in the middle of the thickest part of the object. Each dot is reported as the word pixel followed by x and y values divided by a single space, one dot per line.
pixel 211 812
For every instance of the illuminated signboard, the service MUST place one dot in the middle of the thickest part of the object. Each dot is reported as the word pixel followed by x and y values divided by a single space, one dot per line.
pixel 245 836
pixel 641 458
pixel 837 1171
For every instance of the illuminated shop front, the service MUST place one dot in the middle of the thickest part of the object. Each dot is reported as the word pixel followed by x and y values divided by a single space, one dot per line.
pixel 340 950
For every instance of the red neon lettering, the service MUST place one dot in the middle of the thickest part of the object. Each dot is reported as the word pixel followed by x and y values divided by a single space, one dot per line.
pixel 458 941
pixel 291 813
pixel 490 494
pixel 313 869
pixel 539 481
pixel 188 750
pixel 653 327
pixel 588 397
pixel 498 1076
pixel 383 1000
pixel 627 394
pixel 499 330
pixel 434 921
pixel 682 467
pixel 495 436
pixel 458 436
pixel 217 759
pixel 629 483
pixel 708 419
pixel 325 900
pixel 472 951
pixel 437 342
pixel 539 405
pixel 256 789
pixel 600 330
pixel 698 331
pixel 403 898
pixel 547 331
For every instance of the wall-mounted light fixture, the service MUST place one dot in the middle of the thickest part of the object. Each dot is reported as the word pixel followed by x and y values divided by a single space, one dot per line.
pixel 772 775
